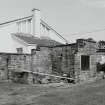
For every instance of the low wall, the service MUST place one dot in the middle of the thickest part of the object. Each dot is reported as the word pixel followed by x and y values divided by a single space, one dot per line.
pixel 20 67
pixel 57 61
pixel 11 62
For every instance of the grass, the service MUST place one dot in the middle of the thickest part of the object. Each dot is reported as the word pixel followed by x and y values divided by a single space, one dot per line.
pixel 84 94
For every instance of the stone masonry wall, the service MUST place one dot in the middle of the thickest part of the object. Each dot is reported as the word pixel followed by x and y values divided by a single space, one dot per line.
pixel 41 63
pixel 58 60
pixel 88 48
pixel 11 63
pixel 63 60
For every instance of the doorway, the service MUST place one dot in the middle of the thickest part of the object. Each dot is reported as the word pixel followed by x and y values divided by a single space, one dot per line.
pixel 85 62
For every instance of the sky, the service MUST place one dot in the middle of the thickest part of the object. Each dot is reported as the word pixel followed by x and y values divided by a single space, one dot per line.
pixel 71 18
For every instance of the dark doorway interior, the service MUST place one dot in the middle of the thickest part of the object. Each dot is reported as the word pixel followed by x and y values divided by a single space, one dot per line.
pixel 85 62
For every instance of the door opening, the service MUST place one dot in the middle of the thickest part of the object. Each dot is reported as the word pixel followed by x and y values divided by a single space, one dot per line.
pixel 85 62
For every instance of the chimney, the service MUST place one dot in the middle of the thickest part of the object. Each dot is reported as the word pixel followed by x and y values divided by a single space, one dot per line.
pixel 36 22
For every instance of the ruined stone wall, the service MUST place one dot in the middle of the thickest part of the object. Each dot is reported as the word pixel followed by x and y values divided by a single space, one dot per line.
pixel 87 48
pixel 41 61
pixel 19 62
pixel 58 60
pixel 3 67
pixel 67 59
pixel 63 60
pixel 10 63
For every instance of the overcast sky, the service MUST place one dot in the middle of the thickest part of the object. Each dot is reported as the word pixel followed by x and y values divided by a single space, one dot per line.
pixel 65 16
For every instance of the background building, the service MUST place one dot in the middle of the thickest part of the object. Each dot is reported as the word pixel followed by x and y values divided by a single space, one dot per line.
pixel 26 33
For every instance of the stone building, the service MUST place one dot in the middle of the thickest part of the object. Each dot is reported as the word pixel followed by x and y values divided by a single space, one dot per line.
pixel 77 60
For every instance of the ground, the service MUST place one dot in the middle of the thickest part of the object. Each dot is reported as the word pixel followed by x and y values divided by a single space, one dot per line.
pixel 80 94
